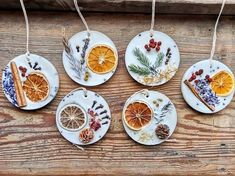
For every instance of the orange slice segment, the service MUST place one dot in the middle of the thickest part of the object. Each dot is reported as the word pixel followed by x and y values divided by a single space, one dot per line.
pixel 72 117
pixel 36 87
pixel 101 59
pixel 137 115
pixel 222 83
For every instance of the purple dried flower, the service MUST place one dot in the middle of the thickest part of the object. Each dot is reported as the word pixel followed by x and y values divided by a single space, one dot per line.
pixel 206 93
pixel 8 86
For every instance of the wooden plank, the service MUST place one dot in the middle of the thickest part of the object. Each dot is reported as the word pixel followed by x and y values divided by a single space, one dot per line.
pixel 31 145
pixel 142 6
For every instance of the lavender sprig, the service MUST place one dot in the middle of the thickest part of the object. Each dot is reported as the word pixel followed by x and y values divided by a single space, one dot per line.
pixel 8 85
pixel 206 93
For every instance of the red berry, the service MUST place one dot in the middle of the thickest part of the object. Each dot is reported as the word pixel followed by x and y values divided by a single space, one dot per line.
pixel 152 45
pixel 151 41
pixel 209 80
pixel 158 48
pixel 207 77
pixel 148 49
pixel 23 74
pixel 24 70
pixel 159 43
pixel 200 71
pixel 20 68
pixel 197 73
pixel 146 46
pixel 193 76
pixel 190 79
pixel 196 81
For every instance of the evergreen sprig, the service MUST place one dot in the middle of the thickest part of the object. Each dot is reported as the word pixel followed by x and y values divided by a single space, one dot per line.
pixel 139 70
pixel 147 68
pixel 141 58
pixel 159 60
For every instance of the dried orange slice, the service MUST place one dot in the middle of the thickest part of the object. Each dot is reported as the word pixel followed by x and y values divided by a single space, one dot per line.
pixel 72 117
pixel 222 83
pixel 137 115
pixel 36 87
pixel 101 59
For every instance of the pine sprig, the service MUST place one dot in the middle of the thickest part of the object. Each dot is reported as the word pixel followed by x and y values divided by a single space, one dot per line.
pixel 148 67
pixel 159 60
pixel 141 57
pixel 139 70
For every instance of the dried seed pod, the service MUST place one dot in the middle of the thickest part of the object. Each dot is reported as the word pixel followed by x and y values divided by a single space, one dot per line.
pixel 162 131
pixel 86 135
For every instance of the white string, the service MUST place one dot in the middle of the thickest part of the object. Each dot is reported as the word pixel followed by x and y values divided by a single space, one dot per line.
pixel 153 17
pixel 27 26
pixel 215 32
pixel 145 92
pixel 82 17
pixel 80 88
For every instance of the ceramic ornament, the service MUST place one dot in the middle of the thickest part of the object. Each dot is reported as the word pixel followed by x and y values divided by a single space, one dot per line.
pixel 83 117
pixel 208 86
pixel 149 117
pixel 152 57
pixel 29 81
pixel 90 58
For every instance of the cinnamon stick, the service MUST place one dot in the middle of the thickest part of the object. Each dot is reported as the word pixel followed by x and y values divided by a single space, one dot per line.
pixel 195 92
pixel 20 96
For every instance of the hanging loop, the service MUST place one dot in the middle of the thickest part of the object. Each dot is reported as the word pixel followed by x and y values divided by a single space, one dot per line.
pixel 27 27
pixel 82 17
pixel 153 18
pixel 215 32
pixel 80 88
pixel 144 92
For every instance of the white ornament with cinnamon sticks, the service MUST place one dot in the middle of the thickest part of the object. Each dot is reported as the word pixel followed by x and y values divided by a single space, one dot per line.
pixel 29 81
pixel 208 86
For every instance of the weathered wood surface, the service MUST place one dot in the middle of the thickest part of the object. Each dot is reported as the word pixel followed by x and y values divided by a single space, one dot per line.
pixel 143 6
pixel 31 144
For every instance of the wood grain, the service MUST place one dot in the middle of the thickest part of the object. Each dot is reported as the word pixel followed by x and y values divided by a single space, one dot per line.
pixel 31 145
pixel 141 6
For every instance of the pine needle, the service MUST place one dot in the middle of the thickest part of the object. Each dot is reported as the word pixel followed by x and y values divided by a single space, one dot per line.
pixel 159 60
pixel 141 57
pixel 139 70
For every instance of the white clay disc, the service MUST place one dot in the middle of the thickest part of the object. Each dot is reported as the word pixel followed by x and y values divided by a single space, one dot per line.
pixel 39 65
pixel 77 43
pixel 191 99
pixel 154 73
pixel 86 102
pixel 155 101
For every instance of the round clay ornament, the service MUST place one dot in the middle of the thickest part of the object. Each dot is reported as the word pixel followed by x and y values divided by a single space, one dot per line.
pixel 149 117
pixel 83 117
pixel 30 81
pixel 90 60
pixel 152 60
pixel 208 86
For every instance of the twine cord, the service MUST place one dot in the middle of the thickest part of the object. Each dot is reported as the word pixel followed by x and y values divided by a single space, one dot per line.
pixel 215 32
pixel 82 17
pixel 153 17
pixel 27 26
